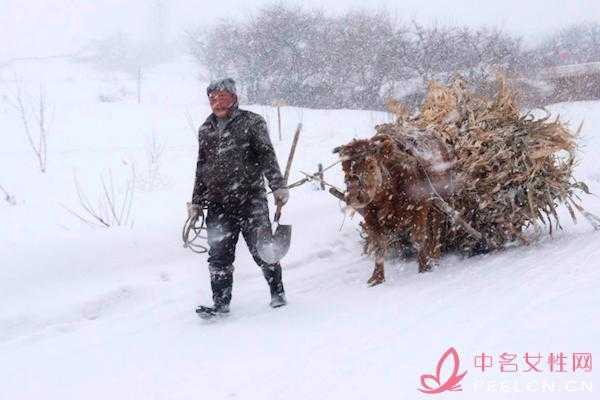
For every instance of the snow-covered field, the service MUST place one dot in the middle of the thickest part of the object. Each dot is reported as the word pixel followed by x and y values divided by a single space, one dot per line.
pixel 92 313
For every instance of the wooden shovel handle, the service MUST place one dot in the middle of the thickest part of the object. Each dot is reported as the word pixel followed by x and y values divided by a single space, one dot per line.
pixel 287 169
pixel 288 166
pixel 278 211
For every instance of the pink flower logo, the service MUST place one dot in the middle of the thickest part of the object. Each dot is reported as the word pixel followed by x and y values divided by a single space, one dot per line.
pixel 432 384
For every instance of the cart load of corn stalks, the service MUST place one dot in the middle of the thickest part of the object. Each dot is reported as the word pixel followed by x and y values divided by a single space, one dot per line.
pixel 511 170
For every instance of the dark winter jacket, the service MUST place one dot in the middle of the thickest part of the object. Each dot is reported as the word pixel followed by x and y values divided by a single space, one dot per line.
pixel 233 162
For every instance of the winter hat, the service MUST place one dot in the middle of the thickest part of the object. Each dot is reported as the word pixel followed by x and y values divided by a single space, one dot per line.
pixel 227 84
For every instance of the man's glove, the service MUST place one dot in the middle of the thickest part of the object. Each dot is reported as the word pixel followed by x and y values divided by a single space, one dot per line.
pixel 194 211
pixel 281 195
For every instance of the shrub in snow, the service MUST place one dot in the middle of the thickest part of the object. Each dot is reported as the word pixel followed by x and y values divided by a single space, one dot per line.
pixel 114 203
pixel 33 111
pixel 10 199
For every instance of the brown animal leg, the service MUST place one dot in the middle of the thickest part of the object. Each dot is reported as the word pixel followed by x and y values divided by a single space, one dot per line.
pixel 378 276
pixel 420 237
pixel 431 250
pixel 436 235
pixel 424 264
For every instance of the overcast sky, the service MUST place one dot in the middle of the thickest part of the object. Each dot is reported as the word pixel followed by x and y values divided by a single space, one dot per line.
pixel 39 27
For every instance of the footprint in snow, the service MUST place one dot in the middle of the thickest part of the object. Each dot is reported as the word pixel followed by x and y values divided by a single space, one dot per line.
pixel 95 308
pixel 165 277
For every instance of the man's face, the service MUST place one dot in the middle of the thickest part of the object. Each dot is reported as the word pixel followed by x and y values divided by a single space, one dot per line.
pixel 221 102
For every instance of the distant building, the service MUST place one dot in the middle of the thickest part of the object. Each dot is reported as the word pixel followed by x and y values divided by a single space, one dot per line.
pixel 573 82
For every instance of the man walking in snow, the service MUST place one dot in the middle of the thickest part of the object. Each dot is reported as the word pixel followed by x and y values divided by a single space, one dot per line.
pixel 235 155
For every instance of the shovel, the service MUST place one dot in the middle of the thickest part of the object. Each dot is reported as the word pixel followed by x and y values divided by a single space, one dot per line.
pixel 272 247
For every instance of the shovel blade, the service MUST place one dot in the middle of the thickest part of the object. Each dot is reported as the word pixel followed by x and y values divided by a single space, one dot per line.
pixel 272 247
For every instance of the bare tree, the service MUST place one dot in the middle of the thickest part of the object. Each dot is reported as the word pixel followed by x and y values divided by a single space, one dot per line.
pixel 440 52
pixel 114 205
pixel 579 43
pixel 364 51
pixel 472 52
pixel 34 115
pixel 10 199
pixel 352 60
pixel 484 53
pixel 154 150
pixel 191 124
pixel 118 54
pixel 430 51
pixel 304 57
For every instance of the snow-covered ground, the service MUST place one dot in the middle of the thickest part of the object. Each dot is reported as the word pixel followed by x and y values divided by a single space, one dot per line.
pixel 92 313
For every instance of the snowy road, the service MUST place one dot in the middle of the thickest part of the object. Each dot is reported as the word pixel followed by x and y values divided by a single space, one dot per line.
pixel 98 314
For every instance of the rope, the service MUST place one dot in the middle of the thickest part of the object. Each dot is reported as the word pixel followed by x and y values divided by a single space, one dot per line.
pixel 312 177
pixel 191 225
pixel 447 209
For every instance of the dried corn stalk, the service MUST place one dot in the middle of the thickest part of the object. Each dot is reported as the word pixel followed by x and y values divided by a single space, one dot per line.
pixel 511 170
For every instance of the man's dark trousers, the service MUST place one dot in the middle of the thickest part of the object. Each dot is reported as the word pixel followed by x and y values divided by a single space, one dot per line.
pixel 224 223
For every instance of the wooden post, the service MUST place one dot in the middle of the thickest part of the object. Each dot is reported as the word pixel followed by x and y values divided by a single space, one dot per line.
pixel 139 85
pixel 279 121
pixel 337 194
pixel 321 175
pixel 279 104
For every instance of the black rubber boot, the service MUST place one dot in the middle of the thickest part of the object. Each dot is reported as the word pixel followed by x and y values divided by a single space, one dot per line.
pixel 221 284
pixel 272 274
pixel 210 312
pixel 278 300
